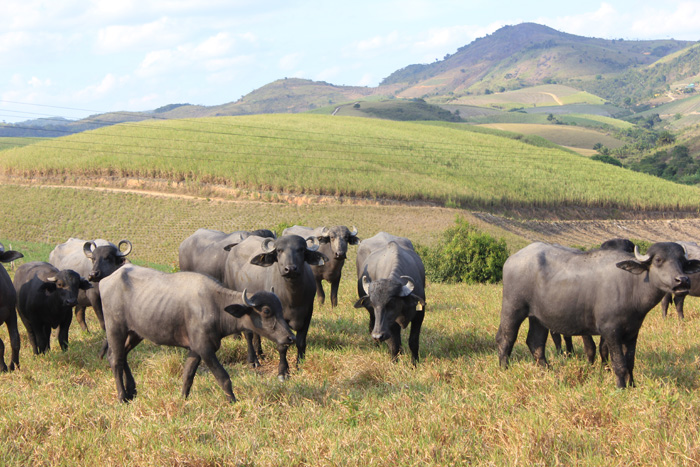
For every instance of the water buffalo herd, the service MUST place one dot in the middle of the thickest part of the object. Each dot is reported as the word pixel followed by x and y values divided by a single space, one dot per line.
pixel 263 286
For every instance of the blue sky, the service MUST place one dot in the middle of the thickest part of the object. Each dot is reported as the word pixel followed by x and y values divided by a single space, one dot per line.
pixel 73 58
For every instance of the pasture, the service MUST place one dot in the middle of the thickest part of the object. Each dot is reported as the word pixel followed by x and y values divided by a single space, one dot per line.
pixel 347 404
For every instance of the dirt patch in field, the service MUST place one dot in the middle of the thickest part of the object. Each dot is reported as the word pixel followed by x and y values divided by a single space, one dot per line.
pixel 582 226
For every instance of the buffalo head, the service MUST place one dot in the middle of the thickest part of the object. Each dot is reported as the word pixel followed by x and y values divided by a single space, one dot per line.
pixel 105 258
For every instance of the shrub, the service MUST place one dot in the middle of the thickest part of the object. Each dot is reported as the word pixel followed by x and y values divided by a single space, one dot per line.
pixel 465 255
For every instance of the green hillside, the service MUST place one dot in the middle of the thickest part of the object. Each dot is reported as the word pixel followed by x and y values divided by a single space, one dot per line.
pixel 346 157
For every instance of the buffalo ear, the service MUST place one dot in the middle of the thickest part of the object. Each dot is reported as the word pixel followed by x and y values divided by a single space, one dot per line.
pixel 264 259
pixel 9 256
pixel 85 284
pixel 421 302
pixel 315 258
pixel 236 310
pixel 691 266
pixel 228 247
pixel 362 302
pixel 632 266
pixel 353 240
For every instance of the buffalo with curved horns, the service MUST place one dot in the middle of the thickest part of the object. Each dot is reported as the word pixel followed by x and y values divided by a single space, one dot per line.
pixel 599 292
pixel 334 244
pixel 283 266
pixel 94 260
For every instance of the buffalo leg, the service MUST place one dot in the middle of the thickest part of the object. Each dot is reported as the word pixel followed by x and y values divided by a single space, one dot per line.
pixel 512 317
pixel 252 354
pixel 63 332
pixel 617 359
pixel 191 365
pixel 630 349
pixel 80 317
pixel 132 340
pixel 395 341
pixel 13 331
pixel 320 294
pixel 556 339
pixel 664 304
pixel 117 360
pixel 3 367
pixel 334 292
pixel 222 377
pixel 604 353
pixel 589 348
pixel 414 336
pixel 678 300
pixel 536 340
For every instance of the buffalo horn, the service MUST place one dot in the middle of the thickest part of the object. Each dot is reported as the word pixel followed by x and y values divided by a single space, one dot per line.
pixel 2 247
pixel 408 288
pixel 641 258
pixel 353 232
pixel 52 279
pixel 315 244
pixel 365 284
pixel 246 300
pixel 129 246
pixel 88 247
pixel 268 245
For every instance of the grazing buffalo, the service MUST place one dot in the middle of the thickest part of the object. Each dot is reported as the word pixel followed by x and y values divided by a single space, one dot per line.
pixel 283 266
pixel 334 244
pixel 45 300
pixel 8 312
pixel 94 260
pixel 183 309
pixel 203 251
pixel 391 286
pixel 599 292
pixel 692 251
pixel 589 347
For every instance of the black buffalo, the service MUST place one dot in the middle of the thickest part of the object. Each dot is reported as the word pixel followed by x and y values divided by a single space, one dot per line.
pixel 183 309
pixel 601 292
pixel 8 312
pixel 334 243
pixel 692 251
pixel 94 260
pixel 45 300
pixel 203 251
pixel 283 266
pixel 391 286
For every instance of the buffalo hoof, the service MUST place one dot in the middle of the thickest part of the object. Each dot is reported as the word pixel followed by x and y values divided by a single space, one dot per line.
pixel 282 378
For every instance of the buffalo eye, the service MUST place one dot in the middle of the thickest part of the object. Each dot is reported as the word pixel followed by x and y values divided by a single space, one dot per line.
pixel 266 311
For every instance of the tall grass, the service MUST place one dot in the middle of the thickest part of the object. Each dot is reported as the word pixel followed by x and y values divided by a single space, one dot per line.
pixel 345 156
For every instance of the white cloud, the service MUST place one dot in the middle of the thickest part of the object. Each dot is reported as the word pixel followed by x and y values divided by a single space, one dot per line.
pixel 377 42
pixel 290 61
pixel 35 82
pixel 329 74
pixel 117 38
pixel 679 23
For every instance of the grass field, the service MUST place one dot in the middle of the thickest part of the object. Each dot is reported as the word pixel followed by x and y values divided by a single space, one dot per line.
pixel 341 156
pixel 348 405
pixel 564 135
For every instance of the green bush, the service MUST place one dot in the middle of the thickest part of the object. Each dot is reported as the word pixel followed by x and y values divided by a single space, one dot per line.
pixel 465 255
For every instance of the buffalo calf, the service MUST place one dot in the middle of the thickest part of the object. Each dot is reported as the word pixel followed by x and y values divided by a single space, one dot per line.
pixel 8 312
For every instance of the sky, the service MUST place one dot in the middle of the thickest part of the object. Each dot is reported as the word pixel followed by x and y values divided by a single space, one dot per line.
pixel 74 58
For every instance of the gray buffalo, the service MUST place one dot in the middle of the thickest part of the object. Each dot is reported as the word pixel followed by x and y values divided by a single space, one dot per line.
pixel 203 251
pixel 283 266
pixel 183 309
pixel 589 347
pixel 391 286
pixel 94 260
pixel 692 251
pixel 334 243
pixel 8 312
pixel 600 292
pixel 45 300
